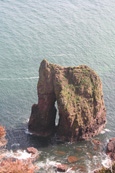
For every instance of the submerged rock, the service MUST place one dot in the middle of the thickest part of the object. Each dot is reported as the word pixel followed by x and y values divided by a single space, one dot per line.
pixel 95 148
pixel 59 153
pixel 79 96
pixel 72 159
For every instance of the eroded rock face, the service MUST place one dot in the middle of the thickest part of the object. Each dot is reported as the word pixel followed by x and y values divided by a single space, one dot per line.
pixel 79 96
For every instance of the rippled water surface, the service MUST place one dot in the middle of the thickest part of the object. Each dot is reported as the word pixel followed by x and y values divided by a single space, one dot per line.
pixel 68 33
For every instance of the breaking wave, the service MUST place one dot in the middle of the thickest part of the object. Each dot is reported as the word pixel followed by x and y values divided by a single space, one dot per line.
pixel 18 154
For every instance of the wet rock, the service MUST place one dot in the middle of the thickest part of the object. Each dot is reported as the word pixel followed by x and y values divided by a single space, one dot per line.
pixel 34 153
pixel 61 167
pixel 3 141
pixel 7 160
pixel 2 156
pixel 2 132
pixel 111 148
pixel 32 150
pixel 72 159
pixel 112 139
pixel 79 96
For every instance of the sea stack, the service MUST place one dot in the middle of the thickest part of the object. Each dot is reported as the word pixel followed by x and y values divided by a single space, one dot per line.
pixel 79 96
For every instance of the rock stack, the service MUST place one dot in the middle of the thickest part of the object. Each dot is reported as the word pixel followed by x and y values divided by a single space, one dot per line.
pixel 79 96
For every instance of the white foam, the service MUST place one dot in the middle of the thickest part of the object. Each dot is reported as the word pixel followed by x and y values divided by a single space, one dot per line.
pixel 27 132
pixel 18 154
pixel 26 121
pixel 51 163
pixel 102 132
pixel 15 145
pixel 22 155
pixel 107 163
pixel 105 130
pixel 48 164
pixel 69 170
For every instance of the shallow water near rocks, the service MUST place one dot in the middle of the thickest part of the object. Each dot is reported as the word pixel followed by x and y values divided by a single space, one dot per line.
pixel 53 152
pixel 67 33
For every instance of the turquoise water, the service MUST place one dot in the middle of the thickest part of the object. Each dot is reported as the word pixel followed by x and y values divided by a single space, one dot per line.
pixel 68 33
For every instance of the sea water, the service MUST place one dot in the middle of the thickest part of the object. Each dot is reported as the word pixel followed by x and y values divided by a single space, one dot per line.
pixel 68 33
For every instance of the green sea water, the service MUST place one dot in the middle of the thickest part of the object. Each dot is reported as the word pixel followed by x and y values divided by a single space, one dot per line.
pixel 68 33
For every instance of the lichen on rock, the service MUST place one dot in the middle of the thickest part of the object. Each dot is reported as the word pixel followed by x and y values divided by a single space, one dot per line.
pixel 79 96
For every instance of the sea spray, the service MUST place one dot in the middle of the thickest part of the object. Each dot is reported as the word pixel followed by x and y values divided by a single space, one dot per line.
pixel 107 162
pixel 15 145
pixel 105 130
pixel 19 154
pixel 27 132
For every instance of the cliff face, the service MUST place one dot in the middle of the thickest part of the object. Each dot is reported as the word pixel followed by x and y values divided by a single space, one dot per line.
pixel 79 96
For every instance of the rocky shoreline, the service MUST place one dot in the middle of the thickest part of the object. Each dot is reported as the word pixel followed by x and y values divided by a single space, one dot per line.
pixel 32 156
